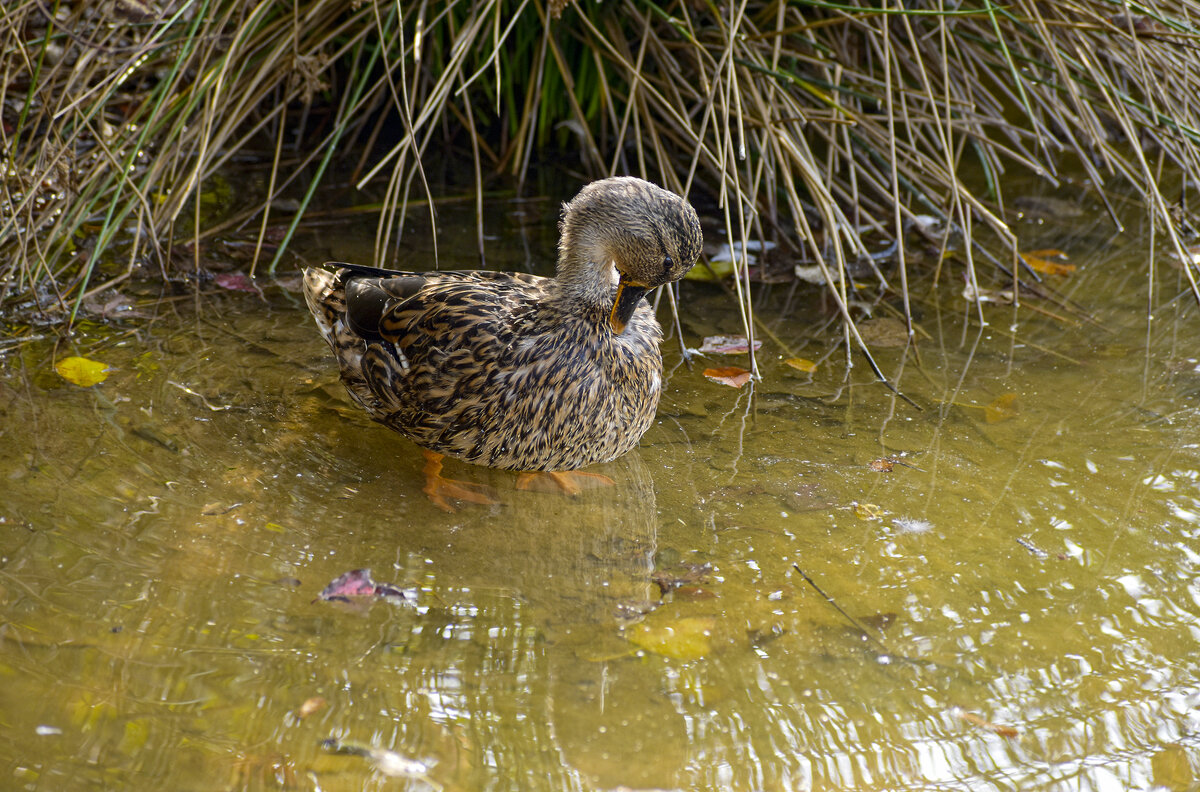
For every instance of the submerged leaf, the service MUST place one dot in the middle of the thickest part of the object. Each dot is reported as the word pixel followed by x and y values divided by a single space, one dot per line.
pixel 1001 409
pixel 802 364
pixel 236 281
pixel 883 332
pixel 1042 207
pixel 358 583
pixel 727 345
pixel 971 293
pixel 710 271
pixel 689 638
pixel 310 706
pixel 81 371
pixel 355 583
pixel 694 593
pixel 732 376
pixel 972 718
pixel 1039 261
pixel 682 574
pixel 867 511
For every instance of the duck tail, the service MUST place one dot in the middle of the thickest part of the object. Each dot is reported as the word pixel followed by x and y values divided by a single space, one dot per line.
pixel 326 300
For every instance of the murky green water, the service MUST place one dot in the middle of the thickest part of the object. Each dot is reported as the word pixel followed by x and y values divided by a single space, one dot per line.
pixel 1028 585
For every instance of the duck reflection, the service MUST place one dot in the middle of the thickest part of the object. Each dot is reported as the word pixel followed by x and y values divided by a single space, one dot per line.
pixel 529 648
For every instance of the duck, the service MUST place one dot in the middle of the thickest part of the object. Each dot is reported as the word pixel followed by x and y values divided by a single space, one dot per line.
pixel 514 371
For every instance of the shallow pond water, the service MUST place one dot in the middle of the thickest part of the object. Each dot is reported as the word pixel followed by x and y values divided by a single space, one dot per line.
pixel 1013 605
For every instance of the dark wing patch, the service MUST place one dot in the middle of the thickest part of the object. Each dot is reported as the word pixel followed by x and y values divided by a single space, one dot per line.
pixel 453 316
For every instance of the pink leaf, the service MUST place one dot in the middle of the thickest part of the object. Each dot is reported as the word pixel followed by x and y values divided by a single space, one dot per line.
pixel 358 583
pixel 236 281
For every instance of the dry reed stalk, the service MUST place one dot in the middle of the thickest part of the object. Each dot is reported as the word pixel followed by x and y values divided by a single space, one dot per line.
pixel 826 126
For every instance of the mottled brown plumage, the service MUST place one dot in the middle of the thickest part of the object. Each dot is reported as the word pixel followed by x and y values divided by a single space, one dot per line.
pixel 517 371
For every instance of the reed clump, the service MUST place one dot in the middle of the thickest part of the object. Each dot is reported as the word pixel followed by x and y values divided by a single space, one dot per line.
pixel 827 127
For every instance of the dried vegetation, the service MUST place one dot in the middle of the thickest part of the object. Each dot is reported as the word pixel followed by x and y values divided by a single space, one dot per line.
pixel 826 127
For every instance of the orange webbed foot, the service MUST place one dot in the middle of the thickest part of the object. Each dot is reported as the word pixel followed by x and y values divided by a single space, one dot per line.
pixel 439 488
pixel 568 482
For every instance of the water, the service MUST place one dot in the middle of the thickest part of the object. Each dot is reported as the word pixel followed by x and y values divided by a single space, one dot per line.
pixel 1025 589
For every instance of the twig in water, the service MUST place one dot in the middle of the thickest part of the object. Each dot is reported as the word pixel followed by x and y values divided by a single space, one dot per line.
pixel 862 628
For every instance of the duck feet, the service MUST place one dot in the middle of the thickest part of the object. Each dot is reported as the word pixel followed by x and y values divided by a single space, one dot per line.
pixel 568 482
pixel 439 488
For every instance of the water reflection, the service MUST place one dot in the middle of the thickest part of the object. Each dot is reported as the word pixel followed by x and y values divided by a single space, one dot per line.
pixel 165 535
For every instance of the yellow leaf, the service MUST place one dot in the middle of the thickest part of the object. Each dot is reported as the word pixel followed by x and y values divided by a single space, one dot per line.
pixel 710 271
pixel 1001 409
pixel 803 365
pixel 689 638
pixel 137 734
pixel 1039 261
pixel 81 371
pixel 867 511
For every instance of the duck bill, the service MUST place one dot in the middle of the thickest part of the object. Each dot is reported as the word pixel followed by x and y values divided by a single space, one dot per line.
pixel 629 297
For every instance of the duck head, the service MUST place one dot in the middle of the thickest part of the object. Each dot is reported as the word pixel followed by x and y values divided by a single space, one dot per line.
pixel 629 230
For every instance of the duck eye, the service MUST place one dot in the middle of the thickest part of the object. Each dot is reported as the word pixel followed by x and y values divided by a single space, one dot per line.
pixel 667 264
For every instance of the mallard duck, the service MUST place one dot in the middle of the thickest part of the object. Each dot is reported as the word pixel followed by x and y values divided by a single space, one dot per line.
pixel 510 370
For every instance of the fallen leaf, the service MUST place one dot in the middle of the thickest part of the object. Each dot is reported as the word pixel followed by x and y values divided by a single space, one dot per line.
pixel 668 580
pixel 358 583
pixel 1039 261
pixel 1043 207
pixel 1000 297
pixel 111 305
pixel 972 718
pixel 81 371
pixel 732 376
pixel 689 638
pixel 879 621
pixel 355 583
pixel 710 271
pixel 727 345
pixel 1001 409
pixel 867 511
pixel 152 434
pixel 236 281
pixel 694 593
pixel 883 332
pixel 801 364
pixel 310 706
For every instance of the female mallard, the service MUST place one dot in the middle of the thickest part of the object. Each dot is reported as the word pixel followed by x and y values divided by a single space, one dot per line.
pixel 518 371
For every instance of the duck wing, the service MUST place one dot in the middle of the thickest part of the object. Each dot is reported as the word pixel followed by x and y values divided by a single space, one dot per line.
pixel 436 347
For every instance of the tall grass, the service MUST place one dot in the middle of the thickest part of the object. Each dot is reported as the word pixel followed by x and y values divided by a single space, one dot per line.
pixel 825 126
